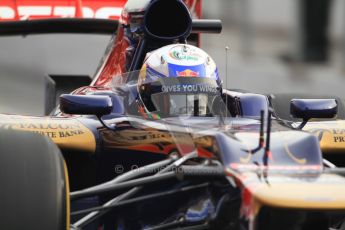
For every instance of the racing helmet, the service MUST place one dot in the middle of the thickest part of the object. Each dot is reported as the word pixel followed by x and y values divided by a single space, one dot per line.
pixel 178 79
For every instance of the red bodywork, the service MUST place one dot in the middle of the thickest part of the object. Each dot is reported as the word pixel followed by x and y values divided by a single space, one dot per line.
pixel 115 62
pixel 12 10
pixel 39 9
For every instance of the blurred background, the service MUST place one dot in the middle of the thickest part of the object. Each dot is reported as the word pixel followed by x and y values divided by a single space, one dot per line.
pixel 274 47
pixel 280 46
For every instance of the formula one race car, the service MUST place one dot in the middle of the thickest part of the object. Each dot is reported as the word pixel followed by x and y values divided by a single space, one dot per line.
pixel 156 142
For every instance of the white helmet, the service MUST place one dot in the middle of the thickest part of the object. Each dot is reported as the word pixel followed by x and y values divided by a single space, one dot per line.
pixel 178 79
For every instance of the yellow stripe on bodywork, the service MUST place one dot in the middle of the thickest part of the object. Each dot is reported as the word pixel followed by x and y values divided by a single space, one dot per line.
pixel 68 206
pixel 67 133
pixel 331 134
pixel 323 193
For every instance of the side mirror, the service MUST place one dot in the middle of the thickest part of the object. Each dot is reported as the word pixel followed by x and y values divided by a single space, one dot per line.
pixel 86 104
pixel 313 108
pixel 251 104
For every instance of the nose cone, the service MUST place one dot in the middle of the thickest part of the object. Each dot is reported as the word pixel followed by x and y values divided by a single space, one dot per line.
pixel 322 192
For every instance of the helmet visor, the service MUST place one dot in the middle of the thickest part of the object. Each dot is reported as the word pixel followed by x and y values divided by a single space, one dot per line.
pixel 182 104
pixel 181 96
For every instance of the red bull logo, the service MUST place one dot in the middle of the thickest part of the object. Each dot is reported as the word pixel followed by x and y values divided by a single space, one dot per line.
pixel 187 73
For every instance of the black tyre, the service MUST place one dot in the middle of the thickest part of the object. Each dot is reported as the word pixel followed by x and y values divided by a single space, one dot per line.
pixel 34 191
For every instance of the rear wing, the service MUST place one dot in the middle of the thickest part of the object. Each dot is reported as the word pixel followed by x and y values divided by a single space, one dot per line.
pixel 86 25
pixel 18 10
pixel 21 17
pixel 59 25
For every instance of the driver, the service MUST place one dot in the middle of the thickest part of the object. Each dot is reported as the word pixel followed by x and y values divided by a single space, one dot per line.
pixel 176 80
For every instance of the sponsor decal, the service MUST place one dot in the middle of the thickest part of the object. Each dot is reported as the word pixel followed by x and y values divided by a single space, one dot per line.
pixel 331 135
pixel 66 133
pixel 184 53
pixel 189 89
pixel 187 73
pixel 40 126
pixel 51 130
pixel 177 55
pixel 34 9
pixel 145 140
pixel 338 139
pixel 337 134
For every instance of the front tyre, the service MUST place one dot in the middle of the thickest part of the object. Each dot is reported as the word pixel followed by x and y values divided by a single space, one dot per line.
pixel 34 191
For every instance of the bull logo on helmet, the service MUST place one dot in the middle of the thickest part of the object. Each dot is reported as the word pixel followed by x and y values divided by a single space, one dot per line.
pixel 187 73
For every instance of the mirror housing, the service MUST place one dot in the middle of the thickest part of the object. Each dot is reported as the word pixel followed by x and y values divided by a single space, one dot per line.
pixel 251 105
pixel 313 108
pixel 86 104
